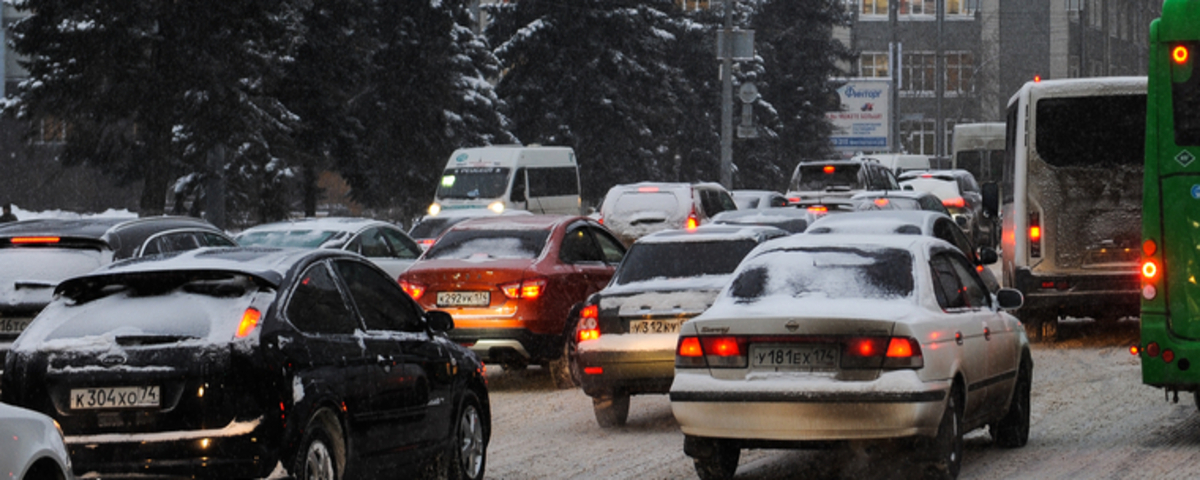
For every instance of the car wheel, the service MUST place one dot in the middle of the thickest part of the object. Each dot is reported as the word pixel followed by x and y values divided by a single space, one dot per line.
pixel 322 455
pixel 612 409
pixel 468 453
pixel 564 370
pixel 721 464
pixel 948 445
pixel 1012 431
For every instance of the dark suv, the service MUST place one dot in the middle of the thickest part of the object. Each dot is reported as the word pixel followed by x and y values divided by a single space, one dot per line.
pixel 221 363
pixel 819 179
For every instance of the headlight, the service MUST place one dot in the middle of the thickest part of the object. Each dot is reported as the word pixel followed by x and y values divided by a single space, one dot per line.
pixel 434 209
pixel 497 207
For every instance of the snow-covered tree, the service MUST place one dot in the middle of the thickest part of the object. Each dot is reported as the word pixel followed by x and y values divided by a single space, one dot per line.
pixel 150 89
pixel 429 95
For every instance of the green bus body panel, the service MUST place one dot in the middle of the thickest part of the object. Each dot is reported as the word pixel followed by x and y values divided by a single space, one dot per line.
pixel 1171 212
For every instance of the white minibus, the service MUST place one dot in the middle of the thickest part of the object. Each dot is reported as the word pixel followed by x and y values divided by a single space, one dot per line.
pixel 979 148
pixel 537 178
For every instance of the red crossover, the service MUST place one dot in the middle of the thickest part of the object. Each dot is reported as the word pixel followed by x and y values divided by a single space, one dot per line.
pixel 511 283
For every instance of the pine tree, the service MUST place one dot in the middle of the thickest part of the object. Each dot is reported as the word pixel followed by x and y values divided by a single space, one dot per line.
pixel 151 89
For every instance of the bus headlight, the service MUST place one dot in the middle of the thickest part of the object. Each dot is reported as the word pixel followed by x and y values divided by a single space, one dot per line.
pixel 434 209
pixel 497 207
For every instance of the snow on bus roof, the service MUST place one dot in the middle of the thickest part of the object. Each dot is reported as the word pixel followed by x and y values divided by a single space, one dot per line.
pixel 1082 86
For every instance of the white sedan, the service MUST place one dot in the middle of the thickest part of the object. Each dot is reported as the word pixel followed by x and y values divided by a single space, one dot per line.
pixel 31 445
pixel 835 339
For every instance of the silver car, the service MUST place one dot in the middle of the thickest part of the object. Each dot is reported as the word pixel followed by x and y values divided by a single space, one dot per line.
pixel 825 339
pixel 33 445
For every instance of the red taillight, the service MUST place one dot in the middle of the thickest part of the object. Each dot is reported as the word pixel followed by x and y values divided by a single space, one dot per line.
pixel 249 321
pixel 979 268
pixel 28 240
pixel 1152 349
pixel 412 289
pixel 530 288
pixel 593 370
pixel 600 220
pixel 1180 54
pixel 425 243
pixel 722 346
pixel 883 202
pixel 956 202
pixel 821 209
pixel 882 352
pixel 1168 356
pixel 899 347
pixel 1133 350
pixel 589 324
pixel 793 199
pixel 692 221
pixel 829 169
pixel 647 189
pixel 1035 234
pixel 690 347
pixel 864 347
pixel 1149 270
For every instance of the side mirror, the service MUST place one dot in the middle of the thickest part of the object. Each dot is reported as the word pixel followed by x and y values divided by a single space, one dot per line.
pixel 987 256
pixel 991 199
pixel 439 321
pixel 1010 299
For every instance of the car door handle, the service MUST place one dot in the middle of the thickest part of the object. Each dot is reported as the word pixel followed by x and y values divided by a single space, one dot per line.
pixel 958 338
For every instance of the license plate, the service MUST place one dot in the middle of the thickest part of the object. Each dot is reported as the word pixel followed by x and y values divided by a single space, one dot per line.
pixel 795 356
pixel 655 326
pixel 14 325
pixel 464 299
pixel 114 397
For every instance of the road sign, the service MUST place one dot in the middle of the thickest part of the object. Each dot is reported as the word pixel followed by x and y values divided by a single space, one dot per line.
pixel 862 122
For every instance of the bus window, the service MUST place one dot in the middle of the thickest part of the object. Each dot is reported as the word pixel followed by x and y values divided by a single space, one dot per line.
pixel 473 182
pixel 1091 131
pixel 1185 96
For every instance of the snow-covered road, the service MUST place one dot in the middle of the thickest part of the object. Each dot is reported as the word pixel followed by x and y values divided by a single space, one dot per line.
pixel 1092 418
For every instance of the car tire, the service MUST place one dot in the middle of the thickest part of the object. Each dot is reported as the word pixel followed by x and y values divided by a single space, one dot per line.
pixel 564 370
pixel 721 464
pixel 468 451
pixel 1012 431
pixel 611 410
pixel 948 444
pixel 322 453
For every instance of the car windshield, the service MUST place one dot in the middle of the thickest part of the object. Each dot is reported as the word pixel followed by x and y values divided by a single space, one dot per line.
pixel 818 177
pixel 288 238
pixel 489 244
pixel 647 261
pixel 473 182
pixel 825 272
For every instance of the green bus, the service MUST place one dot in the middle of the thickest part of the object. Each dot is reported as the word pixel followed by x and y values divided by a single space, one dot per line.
pixel 1170 311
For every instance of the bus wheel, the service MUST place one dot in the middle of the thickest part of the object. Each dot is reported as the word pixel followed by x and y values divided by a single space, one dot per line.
pixel 1040 326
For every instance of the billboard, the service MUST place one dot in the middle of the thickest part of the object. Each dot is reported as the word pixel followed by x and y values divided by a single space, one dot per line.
pixel 862 123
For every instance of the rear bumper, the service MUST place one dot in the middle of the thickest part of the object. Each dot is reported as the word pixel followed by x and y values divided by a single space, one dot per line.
pixel 1080 294
pixel 240 449
pixel 632 363
pixel 499 344
pixel 813 410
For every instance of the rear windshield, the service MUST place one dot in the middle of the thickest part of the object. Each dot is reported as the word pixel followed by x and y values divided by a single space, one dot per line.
pixel 637 201
pixel 818 177
pixel 825 272
pixel 985 165
pixel 48 264
pixel 473 182
pixel 1096 131
pixel 489 244
pixel 431 228
pixel 288 238
pixel 943 189
pixel 646 261
pixel 884 203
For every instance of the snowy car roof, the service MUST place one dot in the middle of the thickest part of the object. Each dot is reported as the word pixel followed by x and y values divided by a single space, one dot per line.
pixel 714 233
pixel 905 242
pixel 335 224
pixel 270 265
pixel 880 221
pixel 518 222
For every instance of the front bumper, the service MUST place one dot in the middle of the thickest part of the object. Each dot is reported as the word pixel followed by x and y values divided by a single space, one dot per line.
pixel 1100 294
pixel 632 363
pixel 240 449
pixel 799 407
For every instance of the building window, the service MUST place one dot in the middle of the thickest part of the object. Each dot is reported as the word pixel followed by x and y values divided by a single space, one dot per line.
pixel 920 73
pixel 917 7
pixel 692 5
pixel 52 130
pixel 873 65
pixel 875 7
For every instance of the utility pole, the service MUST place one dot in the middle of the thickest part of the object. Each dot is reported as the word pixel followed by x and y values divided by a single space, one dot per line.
pixel 727 98
pixel 939 127
pixel 894 57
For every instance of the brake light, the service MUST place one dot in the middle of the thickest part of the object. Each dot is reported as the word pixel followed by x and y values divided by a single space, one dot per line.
pixel 883 202
pixel 725 352
pixel 793 199
pixel 1168 355
pixel 1035 234
pixel 1149 247
pixel 600 219
pixel 820 209
pixel 1152 349
pixel 882 352
pixel 647 189
pixel 692 221
pixel 589 324
pixel 425 243
pixel 530 288
pixel 593 370
pixel 899 347
pixel 829 169
pixel 249 321
pixel 956 202
pixel 28 240
pixel 690 347
pixel 1180 54
pixel 1133 350
pixel 413 290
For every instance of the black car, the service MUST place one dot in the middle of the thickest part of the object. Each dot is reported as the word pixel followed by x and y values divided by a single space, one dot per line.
pixel 37 254
pixel 626 334
pixel 221 363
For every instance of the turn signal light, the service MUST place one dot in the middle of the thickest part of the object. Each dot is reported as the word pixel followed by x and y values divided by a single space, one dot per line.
pixel 692 221
pixel 1133 350
pixel 412 289
pixel 818 209
pixel 589 326
pixel 249 321
pixel 530 288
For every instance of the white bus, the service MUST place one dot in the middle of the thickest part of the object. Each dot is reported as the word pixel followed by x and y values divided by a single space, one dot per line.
pixel 500 178
pixel 979 148
pixel 1071 197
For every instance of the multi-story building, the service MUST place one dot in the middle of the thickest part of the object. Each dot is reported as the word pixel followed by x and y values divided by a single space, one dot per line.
pixel 989 49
